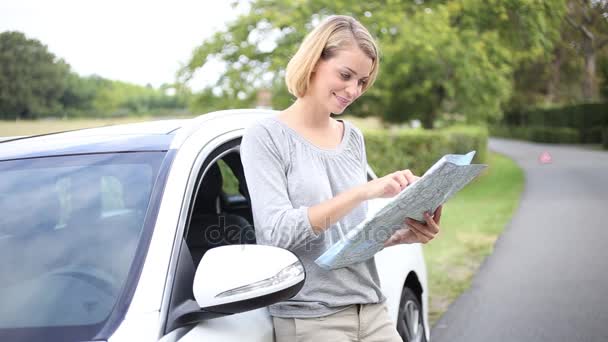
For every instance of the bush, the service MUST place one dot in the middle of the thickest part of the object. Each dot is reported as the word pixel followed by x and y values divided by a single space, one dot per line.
pixel 417 150
pixel 593 135
pixel 555 135
pixel 586 118
pixel 605 138
pixel 512 132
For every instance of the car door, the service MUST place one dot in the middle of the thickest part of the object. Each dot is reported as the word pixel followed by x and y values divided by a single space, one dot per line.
pixel 255 325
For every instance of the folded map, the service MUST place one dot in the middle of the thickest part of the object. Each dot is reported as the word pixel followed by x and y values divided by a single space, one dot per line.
pixel 440 182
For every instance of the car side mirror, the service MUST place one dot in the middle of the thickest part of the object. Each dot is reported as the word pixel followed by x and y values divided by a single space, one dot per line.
pixel 237 278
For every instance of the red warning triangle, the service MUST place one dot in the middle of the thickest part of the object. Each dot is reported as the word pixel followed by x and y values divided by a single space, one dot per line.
pixel 545 158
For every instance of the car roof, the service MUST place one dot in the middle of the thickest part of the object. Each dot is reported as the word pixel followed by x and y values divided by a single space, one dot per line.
pixel 157 135
pixel 145 136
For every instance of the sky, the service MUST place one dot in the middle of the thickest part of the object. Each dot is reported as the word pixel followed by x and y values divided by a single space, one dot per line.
pixel 137 41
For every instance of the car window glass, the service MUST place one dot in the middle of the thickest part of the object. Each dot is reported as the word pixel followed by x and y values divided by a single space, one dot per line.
pixel 69 230
pixel 230 184
pixel 112 194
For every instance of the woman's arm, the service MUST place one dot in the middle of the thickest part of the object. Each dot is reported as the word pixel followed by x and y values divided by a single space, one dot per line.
pixel 323 215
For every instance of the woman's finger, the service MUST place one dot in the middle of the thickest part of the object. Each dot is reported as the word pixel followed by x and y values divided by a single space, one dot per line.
pixel 431 225
pixel 398 237
pixel 409 176
pixel 401 179
pixel 426 229
pixel 419 228
pixel 419 236
pixel 437 215
pixel 395 186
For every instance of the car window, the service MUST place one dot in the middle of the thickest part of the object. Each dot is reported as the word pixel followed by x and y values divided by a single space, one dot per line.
pixel 112 192
pixel 230 184
pixel 69 230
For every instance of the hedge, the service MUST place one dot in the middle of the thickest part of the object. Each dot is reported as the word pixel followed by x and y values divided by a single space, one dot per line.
pixel 554 135
pixel 588 119
pixel 417 150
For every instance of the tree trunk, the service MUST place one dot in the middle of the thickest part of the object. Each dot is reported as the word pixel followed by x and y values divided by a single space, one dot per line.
pixel 428 120
pixel 554 79
pixel 590 90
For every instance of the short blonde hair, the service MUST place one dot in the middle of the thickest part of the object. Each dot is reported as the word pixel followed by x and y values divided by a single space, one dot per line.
pixel 323 42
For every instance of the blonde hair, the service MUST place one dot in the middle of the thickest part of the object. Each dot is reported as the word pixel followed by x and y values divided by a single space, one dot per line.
pixel 323 42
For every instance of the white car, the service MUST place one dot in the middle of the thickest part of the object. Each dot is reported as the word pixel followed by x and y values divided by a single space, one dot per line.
pixel 143 232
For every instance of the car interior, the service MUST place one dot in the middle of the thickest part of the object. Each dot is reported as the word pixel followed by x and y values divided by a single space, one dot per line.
pixel 220 214
pixel 220 218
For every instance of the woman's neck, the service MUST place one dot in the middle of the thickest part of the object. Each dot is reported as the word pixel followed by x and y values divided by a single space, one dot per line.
pixel 309 114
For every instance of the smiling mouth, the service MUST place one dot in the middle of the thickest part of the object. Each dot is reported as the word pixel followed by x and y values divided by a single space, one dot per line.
pixel 344 102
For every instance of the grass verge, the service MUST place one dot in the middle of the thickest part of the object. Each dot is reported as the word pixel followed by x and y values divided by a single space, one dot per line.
pixel 471 223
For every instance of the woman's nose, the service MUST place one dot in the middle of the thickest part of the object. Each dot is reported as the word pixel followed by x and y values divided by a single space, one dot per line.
pixel 353 89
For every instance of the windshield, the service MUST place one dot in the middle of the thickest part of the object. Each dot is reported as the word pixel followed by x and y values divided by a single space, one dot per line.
pixel 69 229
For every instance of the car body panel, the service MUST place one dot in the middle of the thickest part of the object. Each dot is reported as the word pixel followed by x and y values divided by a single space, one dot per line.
pixel 193 140
pixel 394 265
pixel 50 145
pixel 251 326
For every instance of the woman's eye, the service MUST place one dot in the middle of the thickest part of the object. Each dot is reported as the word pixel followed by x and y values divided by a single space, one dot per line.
pixel 362 82
pixel 345 76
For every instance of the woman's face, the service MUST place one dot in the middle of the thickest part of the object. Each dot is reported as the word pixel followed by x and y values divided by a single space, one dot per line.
pixel 337 82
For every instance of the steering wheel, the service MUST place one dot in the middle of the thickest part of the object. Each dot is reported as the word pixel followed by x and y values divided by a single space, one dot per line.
pixel 95 277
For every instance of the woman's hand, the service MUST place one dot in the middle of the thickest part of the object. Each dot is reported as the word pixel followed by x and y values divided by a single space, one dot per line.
pixel 389 185
pixel 415 231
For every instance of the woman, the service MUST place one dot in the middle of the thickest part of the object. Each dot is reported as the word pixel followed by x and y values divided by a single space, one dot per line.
pixel 307 179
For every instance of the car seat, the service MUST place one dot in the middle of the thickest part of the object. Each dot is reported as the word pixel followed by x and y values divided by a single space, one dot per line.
pixel 210 226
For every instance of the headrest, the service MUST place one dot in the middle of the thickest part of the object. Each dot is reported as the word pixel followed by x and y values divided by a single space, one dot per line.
pixel 85 198
pixel 208 195
pixel 28 212
pixel 136 191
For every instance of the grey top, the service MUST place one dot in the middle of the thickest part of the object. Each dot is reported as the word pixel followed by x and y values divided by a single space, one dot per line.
pixel 286 174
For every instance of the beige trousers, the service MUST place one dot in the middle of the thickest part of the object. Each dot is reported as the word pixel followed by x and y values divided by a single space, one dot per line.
pixel 360 322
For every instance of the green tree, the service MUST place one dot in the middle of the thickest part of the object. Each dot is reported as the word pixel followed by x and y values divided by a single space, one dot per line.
pixel 437 56
pixel 79 94
pixel 117 98
pixel 571 72
pixel 589 35
pixel 603 67
pixel 439 67
pixel 32 79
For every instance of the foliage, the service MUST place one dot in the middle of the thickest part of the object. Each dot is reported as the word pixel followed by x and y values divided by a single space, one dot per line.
pixel 588 21
pixel 437 56
pixel 571 71
pixel 553 135
pixel 585 119
pixel 418 149
pixel 603 68
pixel 32 79
pixel 444 67
pixel 119 98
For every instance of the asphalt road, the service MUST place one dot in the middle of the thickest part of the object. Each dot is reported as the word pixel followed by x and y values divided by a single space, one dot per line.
pixel 547 279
